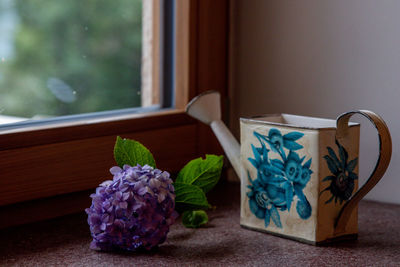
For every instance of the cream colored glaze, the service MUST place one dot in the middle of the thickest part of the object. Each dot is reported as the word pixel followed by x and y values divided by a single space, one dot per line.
pixel 320 225
pixel 292 224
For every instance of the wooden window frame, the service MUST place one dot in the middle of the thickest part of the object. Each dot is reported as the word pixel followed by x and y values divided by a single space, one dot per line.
pixel 151 15
pixel 48 171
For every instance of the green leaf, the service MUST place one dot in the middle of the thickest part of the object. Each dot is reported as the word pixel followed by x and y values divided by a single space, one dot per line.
pixel 132 152
pixel 203 173
pixel 189 197
pixel 194 218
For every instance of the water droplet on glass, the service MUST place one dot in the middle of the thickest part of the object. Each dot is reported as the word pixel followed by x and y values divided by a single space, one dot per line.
pixel 139 93
pixel 3 59
pixel 61 90
pixel 84 56
pixel 86 28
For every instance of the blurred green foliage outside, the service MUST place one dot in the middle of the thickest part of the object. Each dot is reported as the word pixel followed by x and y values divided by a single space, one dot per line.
pixel 69 56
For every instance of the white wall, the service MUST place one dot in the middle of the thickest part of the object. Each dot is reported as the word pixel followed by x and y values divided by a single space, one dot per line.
pixel 322 58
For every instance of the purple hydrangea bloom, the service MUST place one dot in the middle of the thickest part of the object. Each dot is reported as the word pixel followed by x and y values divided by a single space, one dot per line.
pixel 134 210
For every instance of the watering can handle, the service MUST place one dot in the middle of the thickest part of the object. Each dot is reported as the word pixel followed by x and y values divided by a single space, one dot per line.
pixel 385 153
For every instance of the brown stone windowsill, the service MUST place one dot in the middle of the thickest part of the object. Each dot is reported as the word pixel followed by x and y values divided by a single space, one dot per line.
pixel 65 242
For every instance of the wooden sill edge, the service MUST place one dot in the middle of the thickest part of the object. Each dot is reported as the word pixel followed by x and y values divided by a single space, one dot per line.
pixel 91 121
pixel 62 205
pixel 90 128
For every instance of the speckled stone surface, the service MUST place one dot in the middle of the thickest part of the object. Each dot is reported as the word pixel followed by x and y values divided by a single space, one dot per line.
pixel 65 242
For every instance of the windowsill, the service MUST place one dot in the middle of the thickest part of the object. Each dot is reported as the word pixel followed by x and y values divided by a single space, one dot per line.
pixel 10 124
pixel 65 241
pixel 80 152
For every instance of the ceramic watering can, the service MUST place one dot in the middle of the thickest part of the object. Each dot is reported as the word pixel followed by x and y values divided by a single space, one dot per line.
pixel 299 175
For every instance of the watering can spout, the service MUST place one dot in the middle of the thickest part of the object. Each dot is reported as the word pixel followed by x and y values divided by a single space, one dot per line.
pixel 207 109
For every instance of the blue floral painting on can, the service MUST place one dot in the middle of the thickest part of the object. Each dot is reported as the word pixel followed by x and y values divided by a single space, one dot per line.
pixel 341 180
pixel 280 181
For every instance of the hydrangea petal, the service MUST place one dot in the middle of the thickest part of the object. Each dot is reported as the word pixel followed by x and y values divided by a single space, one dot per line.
pixel 115 170
pixel 133 211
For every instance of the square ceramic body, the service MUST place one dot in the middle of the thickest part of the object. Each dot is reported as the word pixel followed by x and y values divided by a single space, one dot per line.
pixel 295 177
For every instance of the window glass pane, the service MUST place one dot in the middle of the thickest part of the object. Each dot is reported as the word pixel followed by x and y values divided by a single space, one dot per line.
pixel 63 57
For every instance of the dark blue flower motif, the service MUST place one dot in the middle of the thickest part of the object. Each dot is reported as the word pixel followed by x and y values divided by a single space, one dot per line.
pixel 342 178
pixel 278 180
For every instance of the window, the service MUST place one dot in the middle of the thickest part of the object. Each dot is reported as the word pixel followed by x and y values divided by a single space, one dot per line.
pixel 66 57
pixel 64 158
